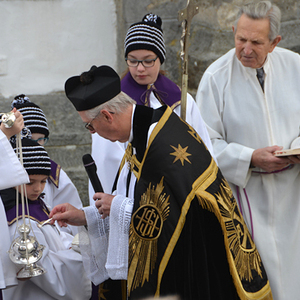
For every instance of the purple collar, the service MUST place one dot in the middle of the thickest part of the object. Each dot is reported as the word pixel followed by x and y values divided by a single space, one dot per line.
pixel 37 210
pixel 165 90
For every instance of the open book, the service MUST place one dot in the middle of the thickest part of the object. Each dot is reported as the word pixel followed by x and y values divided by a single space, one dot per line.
pixel 294 150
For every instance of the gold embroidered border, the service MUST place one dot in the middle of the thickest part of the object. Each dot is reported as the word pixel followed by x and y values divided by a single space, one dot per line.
pixel 175 104
pixel 28 217
pixel 208 177
pixel 56 179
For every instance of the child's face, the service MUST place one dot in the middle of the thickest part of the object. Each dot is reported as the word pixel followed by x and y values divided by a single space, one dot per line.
pixel 36 186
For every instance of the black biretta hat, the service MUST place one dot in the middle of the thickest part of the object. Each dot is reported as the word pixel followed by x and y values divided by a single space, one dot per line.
pixel 93 88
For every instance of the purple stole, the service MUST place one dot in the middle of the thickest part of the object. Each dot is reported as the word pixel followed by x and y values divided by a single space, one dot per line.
pixel 165 90
pixel 37 210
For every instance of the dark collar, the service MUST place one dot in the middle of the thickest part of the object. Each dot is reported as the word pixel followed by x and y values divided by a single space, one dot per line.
pixel 142 120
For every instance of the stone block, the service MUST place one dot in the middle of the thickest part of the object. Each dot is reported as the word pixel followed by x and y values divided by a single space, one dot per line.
pixel 289 9
pixel 290 32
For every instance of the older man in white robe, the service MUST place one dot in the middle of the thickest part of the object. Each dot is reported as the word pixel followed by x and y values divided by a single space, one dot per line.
pixel 248 119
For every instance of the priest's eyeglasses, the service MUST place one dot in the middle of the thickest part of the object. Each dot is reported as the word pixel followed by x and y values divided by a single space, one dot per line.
pixel 89 125
pixel 147 63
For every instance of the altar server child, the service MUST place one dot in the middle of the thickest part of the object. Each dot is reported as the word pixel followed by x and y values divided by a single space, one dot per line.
pixel 59 188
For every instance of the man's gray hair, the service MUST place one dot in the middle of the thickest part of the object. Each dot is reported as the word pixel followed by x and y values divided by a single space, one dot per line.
pixel 263 10
pixel 116 105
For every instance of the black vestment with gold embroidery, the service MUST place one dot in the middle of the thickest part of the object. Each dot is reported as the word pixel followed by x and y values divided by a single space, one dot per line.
pixel 187 236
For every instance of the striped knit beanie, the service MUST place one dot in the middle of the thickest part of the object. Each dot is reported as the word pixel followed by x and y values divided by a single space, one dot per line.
pixel 146 35
pixel 35 158
pixel 34 118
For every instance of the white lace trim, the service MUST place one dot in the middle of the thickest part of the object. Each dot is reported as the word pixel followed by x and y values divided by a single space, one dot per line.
pixel 120 218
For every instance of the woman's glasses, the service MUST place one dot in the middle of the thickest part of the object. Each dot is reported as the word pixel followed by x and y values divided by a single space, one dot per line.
pixel 147 63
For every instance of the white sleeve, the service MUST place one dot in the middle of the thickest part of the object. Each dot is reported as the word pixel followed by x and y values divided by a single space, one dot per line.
pixel 11 170
pixel 93 245
pixel 104 246
pixel 233 158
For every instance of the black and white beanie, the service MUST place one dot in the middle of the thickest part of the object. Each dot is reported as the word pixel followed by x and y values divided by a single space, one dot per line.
pixel 34 118
pixel 146 35
pixel 35 158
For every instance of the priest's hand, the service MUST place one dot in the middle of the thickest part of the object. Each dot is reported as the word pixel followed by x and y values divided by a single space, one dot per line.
pixel 103 203
pixel 66 214
pixel 264 158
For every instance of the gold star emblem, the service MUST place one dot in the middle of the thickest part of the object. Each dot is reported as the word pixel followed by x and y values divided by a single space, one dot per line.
pixel 180 153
